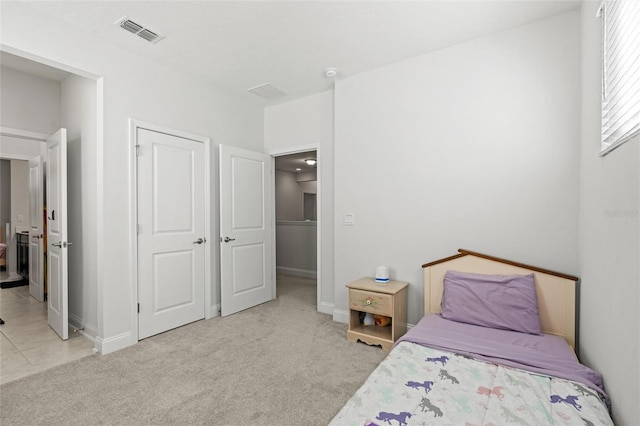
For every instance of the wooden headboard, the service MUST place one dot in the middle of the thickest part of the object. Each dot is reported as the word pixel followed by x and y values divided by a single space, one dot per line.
pixel 556 291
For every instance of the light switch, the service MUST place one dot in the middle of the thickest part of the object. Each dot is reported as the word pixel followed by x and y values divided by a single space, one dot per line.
pixel 349 219
pixel 20 218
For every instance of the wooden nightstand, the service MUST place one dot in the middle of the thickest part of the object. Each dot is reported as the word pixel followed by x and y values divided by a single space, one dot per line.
pixel 390 299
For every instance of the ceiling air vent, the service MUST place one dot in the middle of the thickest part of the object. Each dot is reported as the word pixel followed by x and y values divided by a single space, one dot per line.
pixel 267 91
pixel 139 30
pixel 148 35
pixel 130 26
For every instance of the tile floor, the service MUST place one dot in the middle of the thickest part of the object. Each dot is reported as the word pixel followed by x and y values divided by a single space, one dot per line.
pixel 27 343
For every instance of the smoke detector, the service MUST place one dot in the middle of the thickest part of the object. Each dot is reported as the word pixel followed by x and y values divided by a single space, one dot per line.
pixel 139 30
pixel 330 72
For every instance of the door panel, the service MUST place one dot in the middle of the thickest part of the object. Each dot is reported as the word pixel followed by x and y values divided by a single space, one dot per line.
pixel 169 268
pixel 36 232
pixel 246 234
pixel 57 244
pixel 247 206
pixel 252 278
pixel 171 234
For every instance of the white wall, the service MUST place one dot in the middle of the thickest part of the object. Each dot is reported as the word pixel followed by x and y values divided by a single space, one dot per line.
pixel 474 146
pixel 133 88
pixel 609 243
pixel 296 249
pixel 78 116
pixel 301 123
pixel 29 102
pixel 290 189
pixel 289 197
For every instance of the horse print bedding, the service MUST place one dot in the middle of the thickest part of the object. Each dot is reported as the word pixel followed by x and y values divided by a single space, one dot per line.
pixel 418 385
pixel 423 385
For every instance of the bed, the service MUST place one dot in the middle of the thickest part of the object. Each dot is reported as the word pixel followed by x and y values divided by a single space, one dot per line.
pixel 496 346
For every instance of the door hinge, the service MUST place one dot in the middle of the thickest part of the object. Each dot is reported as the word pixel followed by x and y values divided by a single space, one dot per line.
pixel 138 308
pixel 137 149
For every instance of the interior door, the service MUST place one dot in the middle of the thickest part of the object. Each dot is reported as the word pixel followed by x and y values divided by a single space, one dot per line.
pixel 245 229
pixel 171 231
pixel 57 244
pixel 36 232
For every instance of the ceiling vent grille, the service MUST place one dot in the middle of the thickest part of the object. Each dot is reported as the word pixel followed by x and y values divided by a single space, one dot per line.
pixel 267 91
pixel 139 30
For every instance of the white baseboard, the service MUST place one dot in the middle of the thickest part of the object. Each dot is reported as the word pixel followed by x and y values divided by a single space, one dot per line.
pixel 340 315
pixel 326 308
pixel 297 272
pixel 114 343
pixel 214 311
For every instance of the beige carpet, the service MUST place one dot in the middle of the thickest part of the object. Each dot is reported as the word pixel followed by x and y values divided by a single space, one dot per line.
pixel 280 363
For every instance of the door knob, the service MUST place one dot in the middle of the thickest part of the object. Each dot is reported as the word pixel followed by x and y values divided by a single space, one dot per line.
pixel 198 241
pixel 227 239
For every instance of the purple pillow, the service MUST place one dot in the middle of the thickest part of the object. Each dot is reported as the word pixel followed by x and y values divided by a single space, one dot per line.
pixel 507 302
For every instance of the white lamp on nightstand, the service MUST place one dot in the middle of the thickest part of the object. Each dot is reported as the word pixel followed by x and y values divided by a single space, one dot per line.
pixel 382 274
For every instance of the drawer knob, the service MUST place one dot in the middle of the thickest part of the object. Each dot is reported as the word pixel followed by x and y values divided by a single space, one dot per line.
pixel 368 302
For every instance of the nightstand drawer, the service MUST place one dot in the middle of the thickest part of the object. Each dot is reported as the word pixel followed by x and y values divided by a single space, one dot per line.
pixel 368 301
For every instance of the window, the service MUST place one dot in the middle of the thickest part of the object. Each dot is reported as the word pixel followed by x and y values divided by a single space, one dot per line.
pixel 620 72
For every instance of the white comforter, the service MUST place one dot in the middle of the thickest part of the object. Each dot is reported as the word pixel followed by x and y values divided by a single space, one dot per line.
pixel 418 385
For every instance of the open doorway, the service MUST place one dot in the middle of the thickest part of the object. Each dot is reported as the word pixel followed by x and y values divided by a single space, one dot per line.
pixel 54 98
pixel 296 213
pixel 14 212
pixel 25 311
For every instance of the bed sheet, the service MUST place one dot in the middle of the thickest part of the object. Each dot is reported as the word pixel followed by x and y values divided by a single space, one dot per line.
pixel 418 385
pixel 544 354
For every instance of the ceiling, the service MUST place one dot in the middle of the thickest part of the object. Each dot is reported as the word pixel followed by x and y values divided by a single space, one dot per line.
pixel 239 45
pixel 293 162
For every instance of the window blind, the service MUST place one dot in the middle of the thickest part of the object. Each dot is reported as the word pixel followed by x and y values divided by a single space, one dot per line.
pixel 621 72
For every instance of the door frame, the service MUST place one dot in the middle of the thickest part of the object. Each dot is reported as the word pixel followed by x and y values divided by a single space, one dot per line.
pixel 295 150
pixel 94 332
pixel 134 125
